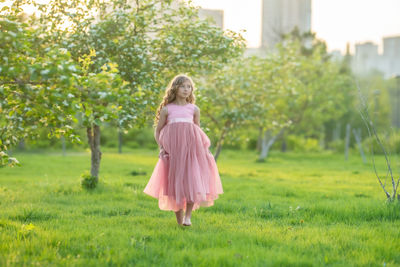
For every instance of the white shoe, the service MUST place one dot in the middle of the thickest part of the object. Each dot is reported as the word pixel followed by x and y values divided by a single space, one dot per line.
pixel 186 222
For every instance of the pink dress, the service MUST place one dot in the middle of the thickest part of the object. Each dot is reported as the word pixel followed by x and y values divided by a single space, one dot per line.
pixel 187 172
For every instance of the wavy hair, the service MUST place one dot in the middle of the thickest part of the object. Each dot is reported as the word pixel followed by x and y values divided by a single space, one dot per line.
pixel 170 93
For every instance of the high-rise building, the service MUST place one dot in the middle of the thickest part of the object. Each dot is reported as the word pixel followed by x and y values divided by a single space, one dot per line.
pixel 281 17
pixel 366 57
pixel 391 56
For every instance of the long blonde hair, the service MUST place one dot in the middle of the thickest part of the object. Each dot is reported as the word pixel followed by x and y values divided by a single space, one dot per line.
pixel 170 93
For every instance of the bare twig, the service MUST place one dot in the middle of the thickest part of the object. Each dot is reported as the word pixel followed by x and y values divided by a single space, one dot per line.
pixel 371 128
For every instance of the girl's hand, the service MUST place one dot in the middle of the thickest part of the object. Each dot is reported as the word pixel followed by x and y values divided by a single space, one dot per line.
pixel 162 153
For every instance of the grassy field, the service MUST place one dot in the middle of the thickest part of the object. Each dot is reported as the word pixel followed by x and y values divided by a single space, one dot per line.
pixel 292 210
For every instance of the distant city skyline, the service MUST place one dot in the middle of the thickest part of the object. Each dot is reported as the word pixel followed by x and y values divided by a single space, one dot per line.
pixel 335 21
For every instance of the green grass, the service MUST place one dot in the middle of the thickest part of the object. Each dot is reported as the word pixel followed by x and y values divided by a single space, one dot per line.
pixel 292 210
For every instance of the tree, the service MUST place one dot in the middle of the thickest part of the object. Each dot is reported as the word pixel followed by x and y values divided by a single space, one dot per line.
pixel 372 131
pixel 104 97
pixel 229 98
pixel 37 86
pixel 309 90
pixel 130 37
pixel 149 44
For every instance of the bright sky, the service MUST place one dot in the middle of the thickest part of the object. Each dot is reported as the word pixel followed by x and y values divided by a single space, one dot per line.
pixel 335 21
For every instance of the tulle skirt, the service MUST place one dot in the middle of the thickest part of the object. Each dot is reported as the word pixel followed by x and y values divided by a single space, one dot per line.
pixel 186 171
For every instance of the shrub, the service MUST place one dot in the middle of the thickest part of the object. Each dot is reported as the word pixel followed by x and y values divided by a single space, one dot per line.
pixel 132 144
pixel 336 146
pixel 390 142
pixel 303 144
pixel 88 181
pixel 111 144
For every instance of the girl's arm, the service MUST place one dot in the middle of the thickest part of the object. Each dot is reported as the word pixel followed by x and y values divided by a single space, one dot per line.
pixel 196 117
pixel 160 125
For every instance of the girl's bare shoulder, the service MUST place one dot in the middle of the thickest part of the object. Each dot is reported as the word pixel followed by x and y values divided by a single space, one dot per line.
pixel 196 108
pixel 164 110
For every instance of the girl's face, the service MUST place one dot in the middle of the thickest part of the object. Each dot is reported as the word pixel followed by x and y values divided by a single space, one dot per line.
pixel 184 90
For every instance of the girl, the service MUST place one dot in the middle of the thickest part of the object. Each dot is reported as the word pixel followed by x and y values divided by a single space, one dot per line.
pixel 186 175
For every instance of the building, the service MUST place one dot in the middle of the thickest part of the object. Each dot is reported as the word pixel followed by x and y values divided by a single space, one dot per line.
pixel 367 58
pixel 217 16
pixel 391 56
pixel 281 17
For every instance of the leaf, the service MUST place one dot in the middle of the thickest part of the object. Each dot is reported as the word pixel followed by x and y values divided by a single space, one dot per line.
pixel 97 122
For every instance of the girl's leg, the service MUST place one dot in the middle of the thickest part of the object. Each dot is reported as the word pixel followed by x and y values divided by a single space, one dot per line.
pixel 189 207
pixel 179 216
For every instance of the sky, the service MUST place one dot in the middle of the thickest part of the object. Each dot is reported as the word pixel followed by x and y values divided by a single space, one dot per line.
pixel 335 21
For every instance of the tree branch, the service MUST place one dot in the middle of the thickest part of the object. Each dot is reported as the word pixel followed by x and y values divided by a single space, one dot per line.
pixel 368 122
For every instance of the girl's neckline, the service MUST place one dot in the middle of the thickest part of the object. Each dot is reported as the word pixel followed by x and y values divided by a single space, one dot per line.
pixel 180 105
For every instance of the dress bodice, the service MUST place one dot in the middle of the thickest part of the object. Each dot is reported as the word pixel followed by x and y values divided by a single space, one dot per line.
pixel 176 112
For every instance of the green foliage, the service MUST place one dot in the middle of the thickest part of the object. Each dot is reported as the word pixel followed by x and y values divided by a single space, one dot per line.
pixel 229 98
pixel 337 146
pixel 108 65
pixel 301 144
pixel 290 88
pixel 390 141
pixel 133 138
pixel 375 91
pixel 313 89
pixel 37 86
pixel 150 41
pixel 6 160
pixel 190 45
pixel 88 181
pixel 104 95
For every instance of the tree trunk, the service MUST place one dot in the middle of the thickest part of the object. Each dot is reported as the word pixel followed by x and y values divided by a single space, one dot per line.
pixel 93 134
pixel 119 141
pixel 259 140
pixel 21 144
pixel 63 145
pixel 220 141
pixel 357 135
pixel 346 148
pixel 264 145
pixel 322 137
pixel 217 151
pixel 283 147
pixel 267 142
pixel 336 132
